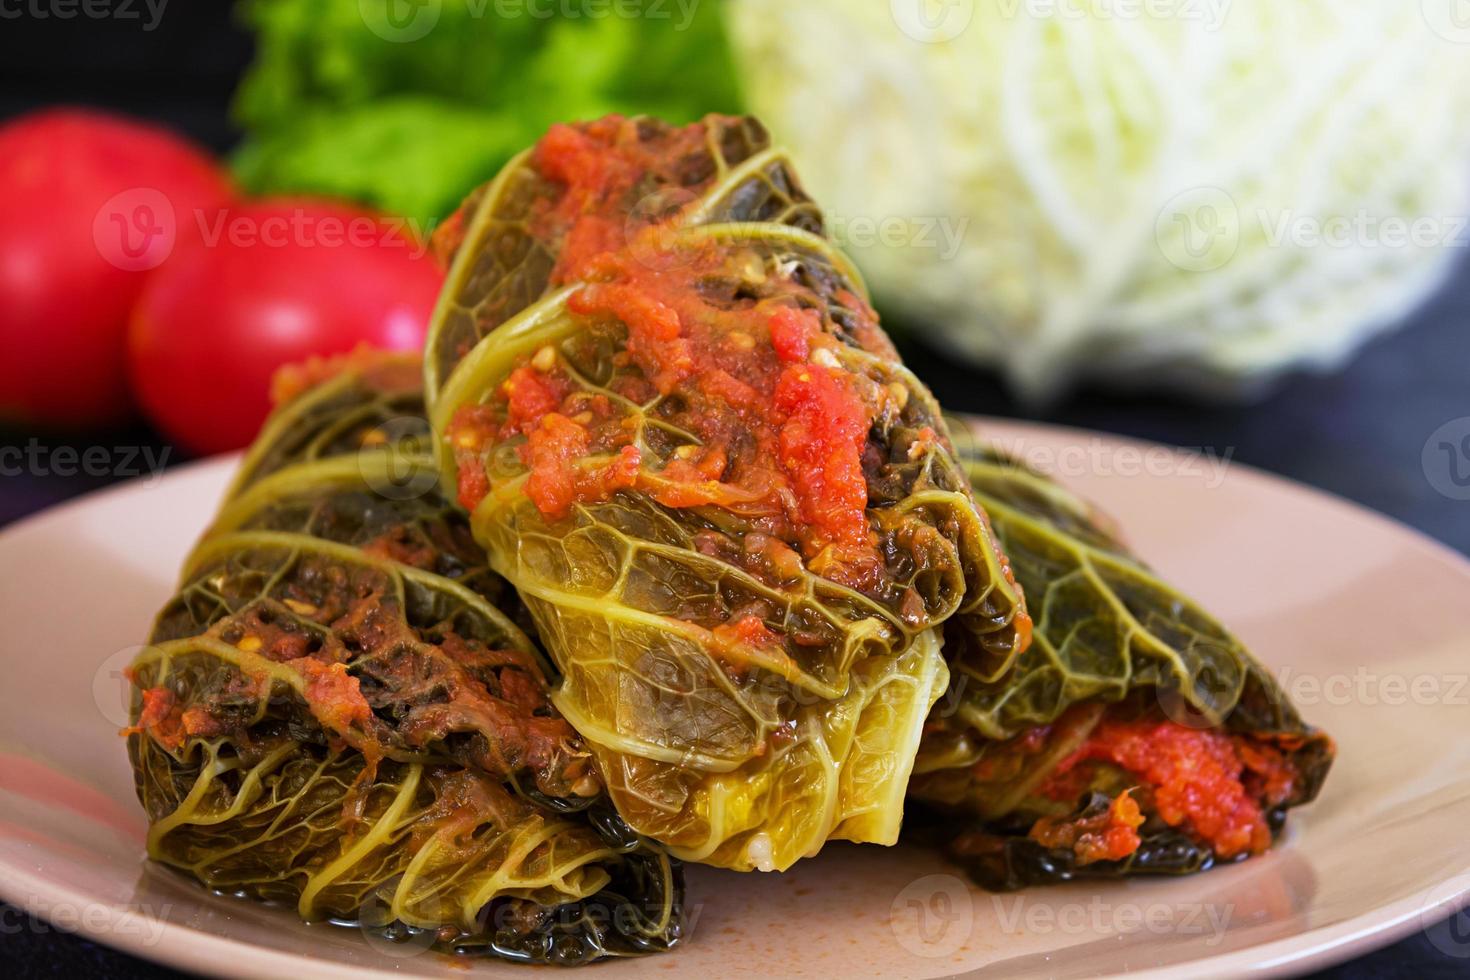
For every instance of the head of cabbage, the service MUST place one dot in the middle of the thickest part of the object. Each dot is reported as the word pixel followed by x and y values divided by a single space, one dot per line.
pixel 1201 193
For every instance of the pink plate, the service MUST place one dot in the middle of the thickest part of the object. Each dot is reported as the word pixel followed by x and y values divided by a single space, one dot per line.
pixel 1366 623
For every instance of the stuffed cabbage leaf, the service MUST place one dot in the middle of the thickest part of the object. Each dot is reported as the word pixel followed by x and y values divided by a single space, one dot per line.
pixel 339 711
pixel 1135 736
pixel 734 515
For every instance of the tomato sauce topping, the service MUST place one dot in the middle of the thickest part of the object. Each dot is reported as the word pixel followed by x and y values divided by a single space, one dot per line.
pixel 609 169
pixel 1209 782
pixel 807 418
pixel 335 699
pixel 382 686
pixel 749 630
pixel 714 338
pixel 160 718
pixel 1108 836
pixel 782 424
pixel 403 545
pixel 170 723
pixel 821 439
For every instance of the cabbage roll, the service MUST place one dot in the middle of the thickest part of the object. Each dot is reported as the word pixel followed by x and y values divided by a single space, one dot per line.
pixel 341 710
pixel 1135 735
pixel 735 517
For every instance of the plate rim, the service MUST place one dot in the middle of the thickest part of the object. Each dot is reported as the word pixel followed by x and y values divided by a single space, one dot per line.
pixel 213 954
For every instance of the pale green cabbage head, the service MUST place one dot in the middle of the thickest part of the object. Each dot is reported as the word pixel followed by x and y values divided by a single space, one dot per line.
pixel 1199 192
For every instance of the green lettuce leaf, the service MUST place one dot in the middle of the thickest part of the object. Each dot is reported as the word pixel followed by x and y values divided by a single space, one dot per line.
pixel 410 126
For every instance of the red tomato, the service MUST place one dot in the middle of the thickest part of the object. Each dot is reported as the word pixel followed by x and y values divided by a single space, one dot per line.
pixel 89 203
pixel 271 283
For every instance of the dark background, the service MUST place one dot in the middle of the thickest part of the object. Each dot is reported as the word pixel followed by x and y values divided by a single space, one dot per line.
pixel 1359 433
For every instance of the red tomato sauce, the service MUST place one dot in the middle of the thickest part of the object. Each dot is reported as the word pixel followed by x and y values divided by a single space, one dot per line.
pixel 611 169
pixel 748 630
pixel 805 418
pixel 335 699
pixel 1211 783
pixel 419 696
pixel 160 718
pixel 1108 836
pixel 168 722
pixel 782 423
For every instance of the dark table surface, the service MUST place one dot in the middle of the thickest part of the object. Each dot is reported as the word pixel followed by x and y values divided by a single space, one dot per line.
pixel 1359 433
